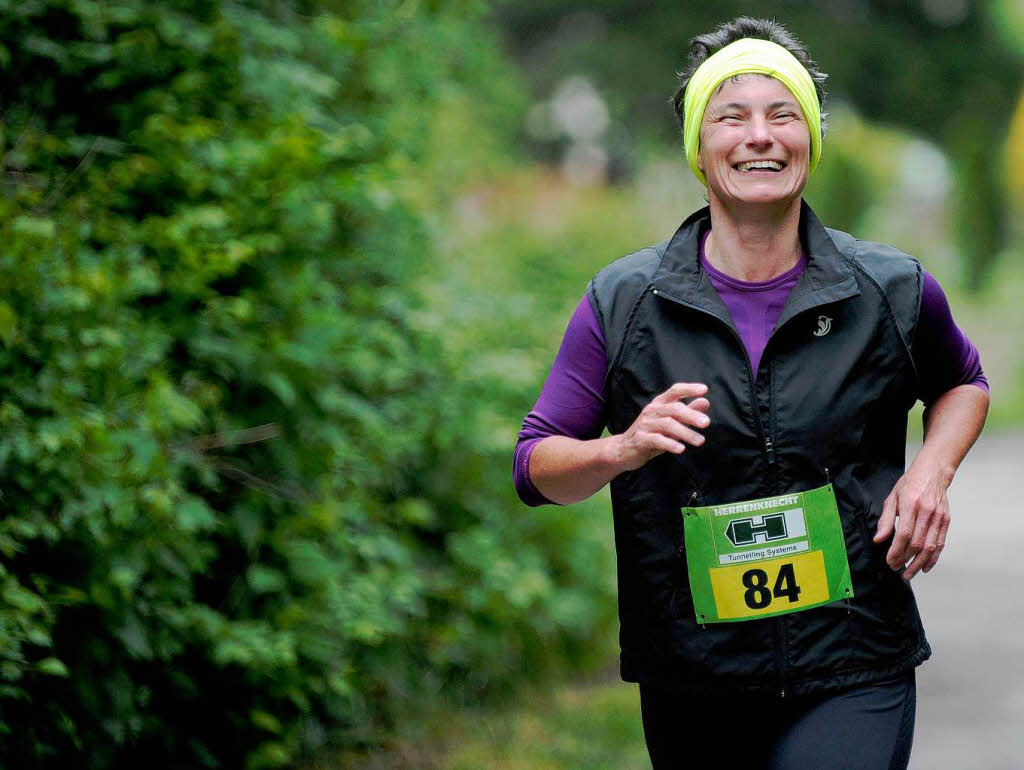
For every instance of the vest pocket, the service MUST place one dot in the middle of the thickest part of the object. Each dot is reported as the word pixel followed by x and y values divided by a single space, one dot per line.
pixel 872 551
pixel 879 607
pixel 681 599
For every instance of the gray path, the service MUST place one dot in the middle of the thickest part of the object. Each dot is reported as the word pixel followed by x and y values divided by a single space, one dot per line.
pixel 971 693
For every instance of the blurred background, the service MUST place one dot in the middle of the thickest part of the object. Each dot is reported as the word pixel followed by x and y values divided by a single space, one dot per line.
pixel 280 280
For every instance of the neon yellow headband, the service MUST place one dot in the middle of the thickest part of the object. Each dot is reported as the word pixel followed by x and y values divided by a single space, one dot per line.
pixel 749 55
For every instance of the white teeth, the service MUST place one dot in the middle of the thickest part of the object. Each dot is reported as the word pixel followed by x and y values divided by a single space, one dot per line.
pixel 774 165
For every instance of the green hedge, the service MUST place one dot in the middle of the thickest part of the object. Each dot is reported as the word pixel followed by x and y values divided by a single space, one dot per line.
pixel 249 510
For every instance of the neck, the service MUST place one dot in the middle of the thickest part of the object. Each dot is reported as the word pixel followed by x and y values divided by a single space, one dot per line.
pixel 754 243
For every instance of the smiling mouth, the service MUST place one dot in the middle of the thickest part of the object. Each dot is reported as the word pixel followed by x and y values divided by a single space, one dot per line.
pixel 770 166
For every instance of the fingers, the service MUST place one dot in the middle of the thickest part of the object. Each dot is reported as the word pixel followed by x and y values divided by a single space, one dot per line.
pixel 681 390
pixel 687 415
pixel 940 543
pixel 667 415
pixel 926 556
pixel 920 534
pixel 670 426
pixel 700 405
pixel 678 420
pixel 887 520
pixel 899 550
pixel 666 444
pixel 665 425
pixel 914 567
pixel 923 522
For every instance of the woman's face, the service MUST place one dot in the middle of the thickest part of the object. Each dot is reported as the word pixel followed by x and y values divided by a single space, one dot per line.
pixel 754 119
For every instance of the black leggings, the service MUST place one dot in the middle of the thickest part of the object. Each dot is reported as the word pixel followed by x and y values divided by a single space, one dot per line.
pixel 870 727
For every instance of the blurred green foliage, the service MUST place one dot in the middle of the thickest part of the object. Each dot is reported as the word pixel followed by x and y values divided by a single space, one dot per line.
pixel 251 505
pixel 947 71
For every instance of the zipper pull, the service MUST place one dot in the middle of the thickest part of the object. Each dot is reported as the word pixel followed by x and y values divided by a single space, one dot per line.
pixel 770 449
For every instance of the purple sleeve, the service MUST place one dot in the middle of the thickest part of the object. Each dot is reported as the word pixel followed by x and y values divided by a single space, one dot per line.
pixel 571 402
pixel 944 357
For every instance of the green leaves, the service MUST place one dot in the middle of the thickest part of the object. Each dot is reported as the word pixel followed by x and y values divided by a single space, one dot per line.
pixel 52 667
pixel 8 323
pixel 36 227
pixel 214 224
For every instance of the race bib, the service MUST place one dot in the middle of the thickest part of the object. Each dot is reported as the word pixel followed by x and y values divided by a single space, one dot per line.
pixel 760 558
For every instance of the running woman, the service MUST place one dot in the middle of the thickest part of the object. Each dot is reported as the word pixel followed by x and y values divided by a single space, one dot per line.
pixel 755 372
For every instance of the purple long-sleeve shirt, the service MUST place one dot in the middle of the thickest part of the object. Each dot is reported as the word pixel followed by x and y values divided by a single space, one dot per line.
pixel 572 401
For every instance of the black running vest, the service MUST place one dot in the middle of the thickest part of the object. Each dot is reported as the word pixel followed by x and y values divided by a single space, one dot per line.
pixel 828 403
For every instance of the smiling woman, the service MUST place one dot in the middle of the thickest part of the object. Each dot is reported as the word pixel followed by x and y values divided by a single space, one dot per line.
pixel 755 150
pixel 755 372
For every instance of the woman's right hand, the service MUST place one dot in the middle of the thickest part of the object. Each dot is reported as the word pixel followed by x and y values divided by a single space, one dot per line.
pixel 664 425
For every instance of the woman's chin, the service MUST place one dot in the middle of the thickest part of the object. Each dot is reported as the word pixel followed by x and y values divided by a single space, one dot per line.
pixel 760 195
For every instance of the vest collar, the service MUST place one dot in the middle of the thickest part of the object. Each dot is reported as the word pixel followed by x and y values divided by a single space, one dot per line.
pixel 827 277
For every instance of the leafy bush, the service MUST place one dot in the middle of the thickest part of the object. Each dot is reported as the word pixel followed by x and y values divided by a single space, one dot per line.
pixel 247 508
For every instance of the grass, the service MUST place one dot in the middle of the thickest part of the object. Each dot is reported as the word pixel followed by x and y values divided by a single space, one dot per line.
pixel 596 726
pixel 591 724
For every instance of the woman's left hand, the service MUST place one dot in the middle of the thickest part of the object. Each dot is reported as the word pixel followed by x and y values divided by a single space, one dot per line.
pixel 919 500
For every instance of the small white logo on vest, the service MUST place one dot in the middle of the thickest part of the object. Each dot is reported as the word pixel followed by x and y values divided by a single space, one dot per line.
pixel 824 326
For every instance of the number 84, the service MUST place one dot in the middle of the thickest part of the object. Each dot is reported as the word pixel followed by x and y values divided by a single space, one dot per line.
pixel 757 596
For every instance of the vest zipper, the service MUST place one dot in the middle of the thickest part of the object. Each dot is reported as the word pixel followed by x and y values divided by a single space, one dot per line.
pixel 769 447
pixel 780 632
pixel 769 450
pixel 751 374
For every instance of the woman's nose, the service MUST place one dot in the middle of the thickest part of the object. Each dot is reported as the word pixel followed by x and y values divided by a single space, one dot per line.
pixel 759 133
